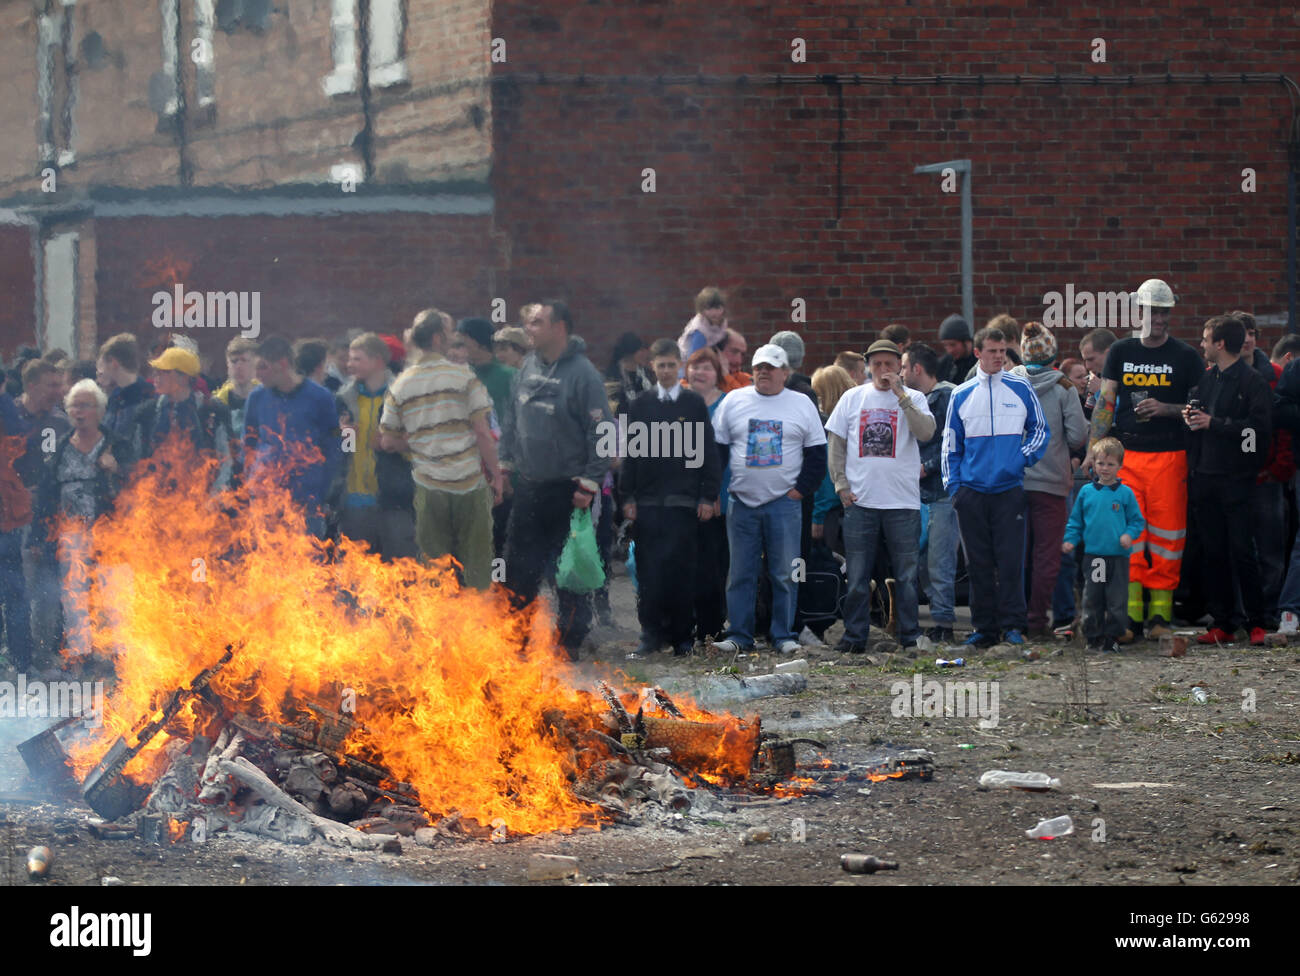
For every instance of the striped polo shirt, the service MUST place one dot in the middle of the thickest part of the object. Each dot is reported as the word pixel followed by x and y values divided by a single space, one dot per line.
pixel 434 403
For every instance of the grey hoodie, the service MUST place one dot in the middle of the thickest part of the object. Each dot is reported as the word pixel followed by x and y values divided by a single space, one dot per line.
pixel 552 425
pixel 1053 473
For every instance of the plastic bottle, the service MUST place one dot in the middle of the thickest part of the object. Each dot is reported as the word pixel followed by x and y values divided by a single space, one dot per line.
pixel 798 666
pixel 959 662
pixel 1051 829
pixel 1035 782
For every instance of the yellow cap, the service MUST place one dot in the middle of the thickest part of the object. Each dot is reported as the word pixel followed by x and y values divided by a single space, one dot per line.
pixel 180 360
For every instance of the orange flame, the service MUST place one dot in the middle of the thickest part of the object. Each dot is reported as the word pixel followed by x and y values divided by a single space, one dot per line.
pixel 435 674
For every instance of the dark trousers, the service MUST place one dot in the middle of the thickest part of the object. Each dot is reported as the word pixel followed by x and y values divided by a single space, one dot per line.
pixel 992 527
pixel 13 599
pixel 1226 524
pixel 712 560
pixel 539 526
pixel 1271 537
pixel 1105 597
pixel 605 543
pixel 665 572
pixel 1047 517
pixel 805 549
pixel 500 523
pixel 390 532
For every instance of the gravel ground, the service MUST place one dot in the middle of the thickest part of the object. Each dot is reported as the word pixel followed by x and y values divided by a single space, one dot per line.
pixel 1218 807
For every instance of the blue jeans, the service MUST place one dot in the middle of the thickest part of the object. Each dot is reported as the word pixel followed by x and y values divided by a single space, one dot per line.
pixel 772 529
pixel 13 599
pixel 863 529
pixel 938 571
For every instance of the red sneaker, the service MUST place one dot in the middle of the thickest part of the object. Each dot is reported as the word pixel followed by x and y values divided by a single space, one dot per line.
pixel 1215 635
pixel 1258 636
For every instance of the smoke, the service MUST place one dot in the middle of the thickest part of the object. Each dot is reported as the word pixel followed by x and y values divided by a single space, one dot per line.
pixel 13 772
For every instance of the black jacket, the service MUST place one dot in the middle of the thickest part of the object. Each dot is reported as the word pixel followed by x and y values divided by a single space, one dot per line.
pixel 45 500
pixel 670 480
pixel 1240 404
pixel 802 384
pixel 954 371
pixel 205 419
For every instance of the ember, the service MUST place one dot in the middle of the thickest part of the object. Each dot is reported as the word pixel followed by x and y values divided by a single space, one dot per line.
pixel 334 686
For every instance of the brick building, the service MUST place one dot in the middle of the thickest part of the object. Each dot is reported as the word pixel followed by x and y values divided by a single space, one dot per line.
pixel 352 160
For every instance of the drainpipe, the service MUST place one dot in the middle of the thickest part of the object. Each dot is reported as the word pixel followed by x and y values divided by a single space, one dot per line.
pixel 962 166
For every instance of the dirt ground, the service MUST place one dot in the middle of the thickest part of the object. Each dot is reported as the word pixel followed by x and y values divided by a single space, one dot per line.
pixel 1224 812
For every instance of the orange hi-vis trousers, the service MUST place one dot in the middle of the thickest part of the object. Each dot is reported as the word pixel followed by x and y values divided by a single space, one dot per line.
pixel 1159 480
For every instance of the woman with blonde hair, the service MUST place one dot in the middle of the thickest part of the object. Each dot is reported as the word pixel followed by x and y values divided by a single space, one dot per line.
pixel 829 383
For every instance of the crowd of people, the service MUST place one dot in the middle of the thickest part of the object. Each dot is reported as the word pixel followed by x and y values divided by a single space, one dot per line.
pixel 1136 487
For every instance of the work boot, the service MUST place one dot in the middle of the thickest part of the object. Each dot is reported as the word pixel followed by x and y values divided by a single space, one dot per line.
pixel 1157 627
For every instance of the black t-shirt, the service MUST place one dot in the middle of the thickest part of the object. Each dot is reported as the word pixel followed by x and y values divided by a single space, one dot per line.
pixel 1169 373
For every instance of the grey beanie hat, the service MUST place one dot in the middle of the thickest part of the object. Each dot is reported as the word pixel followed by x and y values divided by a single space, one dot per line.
pixel 793 346
pixel 954 327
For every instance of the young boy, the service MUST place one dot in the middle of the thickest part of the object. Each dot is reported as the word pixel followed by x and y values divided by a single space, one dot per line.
pixel 1107 519
pixel 666 494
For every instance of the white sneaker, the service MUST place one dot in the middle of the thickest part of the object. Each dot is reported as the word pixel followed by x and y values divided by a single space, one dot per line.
pixel 808 639
pixel 1290 623
pixel 788 647
pixel 727 646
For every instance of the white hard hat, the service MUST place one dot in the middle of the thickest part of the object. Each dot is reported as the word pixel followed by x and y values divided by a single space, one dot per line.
pixel 1155 293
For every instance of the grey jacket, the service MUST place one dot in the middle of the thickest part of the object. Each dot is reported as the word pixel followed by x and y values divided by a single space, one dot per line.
pixel 1053 473
pixel 557 423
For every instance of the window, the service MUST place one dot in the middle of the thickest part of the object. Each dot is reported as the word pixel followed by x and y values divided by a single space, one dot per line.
pixel 56 83
pixel 386 62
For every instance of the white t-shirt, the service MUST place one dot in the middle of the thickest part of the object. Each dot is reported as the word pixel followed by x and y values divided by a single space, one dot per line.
pixel 883 460
pixel 767 435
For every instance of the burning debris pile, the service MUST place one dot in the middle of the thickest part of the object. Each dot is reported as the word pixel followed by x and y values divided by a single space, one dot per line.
pixel 297 782
pixel 267 683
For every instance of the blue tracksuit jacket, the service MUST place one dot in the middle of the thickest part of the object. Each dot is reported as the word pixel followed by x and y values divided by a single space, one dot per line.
pixel 995 429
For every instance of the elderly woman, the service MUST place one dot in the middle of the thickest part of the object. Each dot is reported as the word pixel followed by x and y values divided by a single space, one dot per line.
pixel 79 483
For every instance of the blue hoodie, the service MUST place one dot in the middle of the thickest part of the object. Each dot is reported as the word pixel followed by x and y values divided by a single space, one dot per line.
pixel 306 415
pixel 1103 513
pixel 995 429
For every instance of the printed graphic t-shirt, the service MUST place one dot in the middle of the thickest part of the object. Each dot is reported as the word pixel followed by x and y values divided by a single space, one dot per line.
pixel 883 460
pixel 767 436
pixel 1169 373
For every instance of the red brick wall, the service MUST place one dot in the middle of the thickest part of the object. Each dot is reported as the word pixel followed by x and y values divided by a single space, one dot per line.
pixel 273 123
pixel 17 290
pixel 317 276
pixel 1101 187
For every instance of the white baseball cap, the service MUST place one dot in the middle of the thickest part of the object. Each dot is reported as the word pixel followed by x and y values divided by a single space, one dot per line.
pixel 773 355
